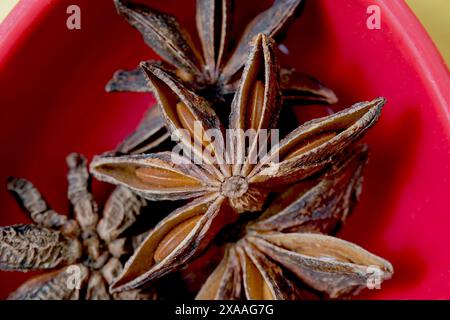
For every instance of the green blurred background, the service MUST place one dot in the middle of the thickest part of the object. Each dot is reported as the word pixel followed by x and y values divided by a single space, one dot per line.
pixel 434 15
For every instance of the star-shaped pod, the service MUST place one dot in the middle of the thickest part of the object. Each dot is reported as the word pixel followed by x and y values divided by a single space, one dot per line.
pixel 82 253
pixel 225 179
pixel 285 253
pixel 214 70
pixel 217 64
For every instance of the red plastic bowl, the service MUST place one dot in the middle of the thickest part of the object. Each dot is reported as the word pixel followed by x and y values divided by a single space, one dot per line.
pixel 52 103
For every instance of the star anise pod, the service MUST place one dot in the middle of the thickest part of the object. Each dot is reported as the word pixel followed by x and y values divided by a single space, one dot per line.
pixel 83 253
pixel 214 72
pixel 226 181
pixel 285 252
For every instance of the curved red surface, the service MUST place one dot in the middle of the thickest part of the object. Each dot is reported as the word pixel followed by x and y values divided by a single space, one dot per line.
pixel 52 103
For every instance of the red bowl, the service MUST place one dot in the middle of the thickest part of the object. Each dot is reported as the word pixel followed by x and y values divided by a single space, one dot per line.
pixel 53 102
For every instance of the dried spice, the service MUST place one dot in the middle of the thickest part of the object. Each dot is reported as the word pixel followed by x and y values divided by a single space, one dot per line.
pixel 226 182
pixel 215 72
pixel 82 252
pixel 149 134
pixel 268 214
pixel 218 65
pixel 287 244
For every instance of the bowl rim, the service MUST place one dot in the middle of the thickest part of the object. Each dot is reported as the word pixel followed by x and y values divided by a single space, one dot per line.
pixel 428 61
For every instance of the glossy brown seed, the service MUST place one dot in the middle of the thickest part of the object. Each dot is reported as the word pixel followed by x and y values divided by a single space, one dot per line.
pixel 161 175
pixel 162 178
pixel 310 144
pixel 256 109
pixel 174 238
pixel 349 125
pixel 142 267
pixel 193 109
pixel 189 122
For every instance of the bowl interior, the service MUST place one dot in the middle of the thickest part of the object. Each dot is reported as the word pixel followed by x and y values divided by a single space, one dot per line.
pixel 53 103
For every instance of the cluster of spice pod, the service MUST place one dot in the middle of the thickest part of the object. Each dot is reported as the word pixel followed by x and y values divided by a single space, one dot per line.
pixel 246 225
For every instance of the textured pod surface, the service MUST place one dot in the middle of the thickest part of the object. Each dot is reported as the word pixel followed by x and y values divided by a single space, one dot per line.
pixel 120 247
pixel 264 279
pixel 62 284
pixel 155 176
pixel 34 204
pixel 300 87
pixel 97 288
pixel 213 25
pixel 112 270
pixel 168 176
pixel 120 212
pixel 251 111
pixel 270 23
pixel 220 64
pixel 29 247
pixel 53 243
pixel 347 127
pixel 324 263
pixel 143 267
pixel 149 134
pixel 128 80
pixel 170 92
pixel 146 294
pixel 279 258
pixel 163 33
pixel 319 205
pixel 225 283
pixel 236 184
pixel 84 206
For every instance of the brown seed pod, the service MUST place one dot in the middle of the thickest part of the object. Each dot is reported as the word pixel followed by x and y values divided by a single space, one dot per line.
pixel 214 71
pixel 26 247
pixel 121 211
pixel 61 284
pixel 279 250
pixel 225 177
pixel 56 241
pixel 34 204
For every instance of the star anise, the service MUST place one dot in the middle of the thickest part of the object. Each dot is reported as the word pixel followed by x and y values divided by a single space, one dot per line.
pixel 285 252
pixel 226 181
pixel 83 253
pixel 213 73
